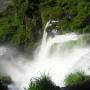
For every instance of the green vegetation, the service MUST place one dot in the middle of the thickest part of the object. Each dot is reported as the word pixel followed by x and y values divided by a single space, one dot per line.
pixel 22 22
pixel 42 83
pixel 72 15
pixel 76 79
pixel 5 79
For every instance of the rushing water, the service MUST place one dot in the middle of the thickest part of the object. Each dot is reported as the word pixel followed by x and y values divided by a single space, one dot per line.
pixel 52 57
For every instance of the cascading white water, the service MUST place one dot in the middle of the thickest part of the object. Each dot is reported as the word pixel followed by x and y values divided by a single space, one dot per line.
pixel 53 57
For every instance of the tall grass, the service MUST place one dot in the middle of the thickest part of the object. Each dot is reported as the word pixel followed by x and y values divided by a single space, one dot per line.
pixel 42 83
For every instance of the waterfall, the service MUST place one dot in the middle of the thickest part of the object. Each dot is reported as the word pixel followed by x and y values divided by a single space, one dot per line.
pixel 53 58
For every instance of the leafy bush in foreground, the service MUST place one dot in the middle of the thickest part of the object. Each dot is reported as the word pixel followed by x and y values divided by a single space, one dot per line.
pixel 76 79
pixel 42 83
pixel 5 79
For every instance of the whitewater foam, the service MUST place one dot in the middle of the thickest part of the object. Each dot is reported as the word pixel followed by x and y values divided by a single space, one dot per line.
pixel 55 62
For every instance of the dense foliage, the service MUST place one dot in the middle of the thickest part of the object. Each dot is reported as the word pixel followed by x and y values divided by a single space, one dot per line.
pixel 42 83
pixel 22 22
pixel 72 15
pixel 4 82
pixel 74 81
pixel 5 79
pixel 77 78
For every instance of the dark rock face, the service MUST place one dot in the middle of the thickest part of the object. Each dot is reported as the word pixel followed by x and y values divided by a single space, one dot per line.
pixel 57 88
pixel 83 86
pixel 3 87
pixel 3 5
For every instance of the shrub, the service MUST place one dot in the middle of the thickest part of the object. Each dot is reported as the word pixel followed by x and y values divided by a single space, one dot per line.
pixel 5 79
pixel 76 79
pixel 42 83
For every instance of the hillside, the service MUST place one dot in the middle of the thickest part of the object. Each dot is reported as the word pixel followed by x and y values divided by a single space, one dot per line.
pixel 22 22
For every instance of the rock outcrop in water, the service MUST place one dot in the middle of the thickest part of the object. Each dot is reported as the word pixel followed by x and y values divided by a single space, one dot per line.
pixel 45 83
pixel 4 82
pixel 83 86
pixel 3 87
